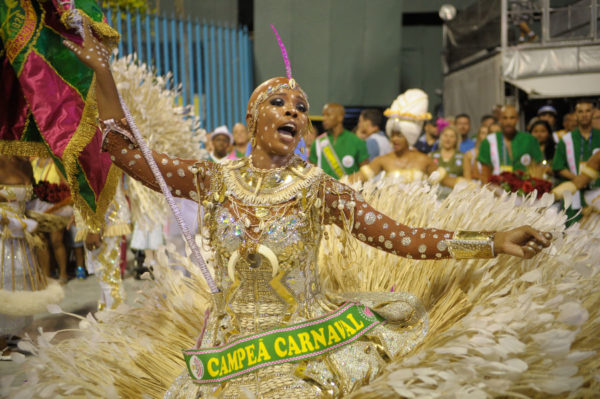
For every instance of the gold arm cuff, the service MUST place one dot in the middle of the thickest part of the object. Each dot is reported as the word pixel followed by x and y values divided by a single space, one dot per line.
pixel 367 172
pixel 471 245
pixel 586 170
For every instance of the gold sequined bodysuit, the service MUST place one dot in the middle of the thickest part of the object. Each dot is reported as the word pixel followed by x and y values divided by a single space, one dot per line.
pixel 264 228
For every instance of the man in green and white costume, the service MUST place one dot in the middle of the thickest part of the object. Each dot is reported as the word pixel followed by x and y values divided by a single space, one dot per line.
pixel 508 150
pixel 572 153
pixel 338 151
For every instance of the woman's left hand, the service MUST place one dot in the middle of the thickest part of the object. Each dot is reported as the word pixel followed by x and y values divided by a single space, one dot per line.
pixel 92 52
pixel 524 242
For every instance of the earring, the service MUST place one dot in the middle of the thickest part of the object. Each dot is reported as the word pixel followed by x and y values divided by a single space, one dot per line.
pixel 253 141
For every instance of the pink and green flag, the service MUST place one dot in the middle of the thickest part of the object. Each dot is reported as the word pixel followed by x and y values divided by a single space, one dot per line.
pixel 47 101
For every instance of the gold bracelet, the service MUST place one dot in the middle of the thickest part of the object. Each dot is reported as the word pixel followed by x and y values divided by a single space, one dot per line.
pixel 472 245
pixel 367 172
pixel 586 170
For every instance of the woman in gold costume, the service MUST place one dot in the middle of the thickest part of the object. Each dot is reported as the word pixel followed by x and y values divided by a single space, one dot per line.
pixel 264 218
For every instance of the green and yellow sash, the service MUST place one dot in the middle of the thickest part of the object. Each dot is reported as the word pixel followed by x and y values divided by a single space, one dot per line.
pixel 325 148
pixel 281 345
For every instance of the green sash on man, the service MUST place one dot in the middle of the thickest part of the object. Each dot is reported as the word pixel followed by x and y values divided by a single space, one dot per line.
pixel 571 152
pixel 326 150
pixel 342 155
pixel 525 150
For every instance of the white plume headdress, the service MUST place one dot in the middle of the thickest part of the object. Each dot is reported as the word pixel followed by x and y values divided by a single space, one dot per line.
pixel 407 114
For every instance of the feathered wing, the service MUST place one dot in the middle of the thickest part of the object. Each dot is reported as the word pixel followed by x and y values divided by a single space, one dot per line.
pixel 130 352
pixel 498 327
pixel 166 127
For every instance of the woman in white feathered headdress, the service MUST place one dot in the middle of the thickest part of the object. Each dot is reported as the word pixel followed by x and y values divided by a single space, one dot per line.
pixel 406 116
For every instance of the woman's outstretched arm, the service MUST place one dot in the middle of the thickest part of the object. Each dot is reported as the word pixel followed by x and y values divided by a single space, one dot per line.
pixel 180 175
pixel 348 210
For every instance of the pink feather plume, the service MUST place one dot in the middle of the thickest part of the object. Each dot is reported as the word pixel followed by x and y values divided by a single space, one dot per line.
pixel 286 60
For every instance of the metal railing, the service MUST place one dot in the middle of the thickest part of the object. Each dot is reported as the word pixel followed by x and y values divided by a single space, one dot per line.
pixel 553 21
pixel 211 63
pixel 487 26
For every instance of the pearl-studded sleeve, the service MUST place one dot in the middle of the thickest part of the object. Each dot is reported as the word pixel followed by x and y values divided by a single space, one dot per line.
pixel 180 175
pixel 347 209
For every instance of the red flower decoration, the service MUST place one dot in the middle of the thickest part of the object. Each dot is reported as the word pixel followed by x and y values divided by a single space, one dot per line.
pixel 520 182
pixel 51 192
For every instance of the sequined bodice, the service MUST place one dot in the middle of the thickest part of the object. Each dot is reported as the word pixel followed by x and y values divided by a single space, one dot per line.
pixel 277 236
pixel 264 253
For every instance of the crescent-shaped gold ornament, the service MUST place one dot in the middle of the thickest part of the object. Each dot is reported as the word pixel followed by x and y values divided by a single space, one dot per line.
pixel 262 250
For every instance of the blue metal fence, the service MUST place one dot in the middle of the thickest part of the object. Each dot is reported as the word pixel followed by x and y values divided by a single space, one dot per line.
pixel 212 62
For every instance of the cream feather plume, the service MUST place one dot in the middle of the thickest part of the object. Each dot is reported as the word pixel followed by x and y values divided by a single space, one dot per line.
pixel 166 127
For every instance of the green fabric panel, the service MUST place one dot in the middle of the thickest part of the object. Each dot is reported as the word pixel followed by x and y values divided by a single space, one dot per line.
pixel 12 21
pixel 484 154
pixel 31 132
pixel 91 8
pixel 85 190
pixel 64 61
pixel 560 157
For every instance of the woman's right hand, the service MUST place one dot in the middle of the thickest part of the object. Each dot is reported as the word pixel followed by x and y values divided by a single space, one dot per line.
pixel 523 242
pixel 93 241
pixel 92 52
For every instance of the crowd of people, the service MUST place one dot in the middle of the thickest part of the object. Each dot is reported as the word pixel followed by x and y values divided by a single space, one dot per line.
pixel 464 150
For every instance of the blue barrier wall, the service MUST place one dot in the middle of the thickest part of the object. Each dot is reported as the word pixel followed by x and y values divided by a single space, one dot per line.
pixel 211 63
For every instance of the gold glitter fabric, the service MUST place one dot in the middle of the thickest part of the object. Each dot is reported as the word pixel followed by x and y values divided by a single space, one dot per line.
pixel 263 229
pixel 105 260
pixel 471 244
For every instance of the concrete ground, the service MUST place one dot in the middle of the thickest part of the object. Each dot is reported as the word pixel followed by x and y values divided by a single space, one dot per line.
pixel 81 297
